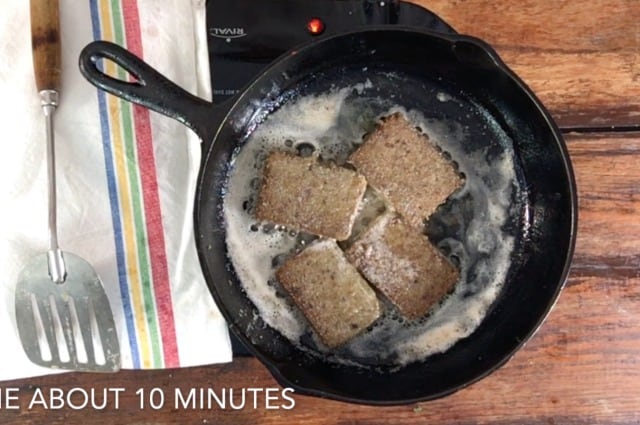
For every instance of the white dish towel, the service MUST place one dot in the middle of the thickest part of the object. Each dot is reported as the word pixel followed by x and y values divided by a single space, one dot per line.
pixel 126 180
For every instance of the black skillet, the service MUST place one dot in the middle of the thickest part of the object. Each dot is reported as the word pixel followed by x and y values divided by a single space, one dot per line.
pixel 427 63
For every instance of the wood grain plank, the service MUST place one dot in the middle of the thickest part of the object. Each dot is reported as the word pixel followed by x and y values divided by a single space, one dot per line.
pixel 581 59
pixel 608 180
pixel 582 367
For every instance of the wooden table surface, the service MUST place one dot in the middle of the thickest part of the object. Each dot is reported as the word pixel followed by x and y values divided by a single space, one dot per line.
pixel 583 367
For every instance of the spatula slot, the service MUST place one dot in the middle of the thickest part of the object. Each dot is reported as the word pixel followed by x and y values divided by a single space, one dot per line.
pixel 98 349
pixel 43 344
pixel 81 351
pixel 60 340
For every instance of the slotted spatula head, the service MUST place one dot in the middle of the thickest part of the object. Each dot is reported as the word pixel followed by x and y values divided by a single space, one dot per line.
pixel 66 325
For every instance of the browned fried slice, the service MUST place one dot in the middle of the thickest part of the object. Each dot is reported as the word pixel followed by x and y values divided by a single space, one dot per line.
pixel 406 168
pixel 335 299
pixel 305 195
pixel 403 265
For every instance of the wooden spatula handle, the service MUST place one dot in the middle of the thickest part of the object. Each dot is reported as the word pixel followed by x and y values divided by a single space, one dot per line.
pixel 45 42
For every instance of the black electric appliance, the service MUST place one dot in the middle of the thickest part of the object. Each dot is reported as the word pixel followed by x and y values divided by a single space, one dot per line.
pixel 245 36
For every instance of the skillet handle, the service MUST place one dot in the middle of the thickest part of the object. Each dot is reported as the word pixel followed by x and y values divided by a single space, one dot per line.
pixel 149 88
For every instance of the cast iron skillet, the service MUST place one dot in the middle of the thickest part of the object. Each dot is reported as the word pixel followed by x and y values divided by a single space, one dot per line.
pixel 460 65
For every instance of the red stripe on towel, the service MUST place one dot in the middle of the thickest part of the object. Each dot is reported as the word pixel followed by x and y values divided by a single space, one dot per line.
pixel 152 209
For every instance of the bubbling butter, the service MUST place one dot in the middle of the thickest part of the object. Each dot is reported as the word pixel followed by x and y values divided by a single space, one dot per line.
pixel 471 228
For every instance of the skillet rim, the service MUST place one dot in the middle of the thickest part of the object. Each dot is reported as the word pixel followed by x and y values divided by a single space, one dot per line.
pixel 272 365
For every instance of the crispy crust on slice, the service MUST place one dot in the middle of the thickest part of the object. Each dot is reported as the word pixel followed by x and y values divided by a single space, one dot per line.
pixel 403 265
pixel 335 299
pixel 305 195
pixel 406 168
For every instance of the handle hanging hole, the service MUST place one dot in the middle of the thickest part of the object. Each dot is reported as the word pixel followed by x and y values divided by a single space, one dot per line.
pixel 112 69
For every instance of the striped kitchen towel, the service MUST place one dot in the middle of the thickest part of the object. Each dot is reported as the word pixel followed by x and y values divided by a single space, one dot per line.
pixel 126 181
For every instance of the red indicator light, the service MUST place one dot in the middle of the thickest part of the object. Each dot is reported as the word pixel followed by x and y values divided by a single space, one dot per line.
pixel 315 26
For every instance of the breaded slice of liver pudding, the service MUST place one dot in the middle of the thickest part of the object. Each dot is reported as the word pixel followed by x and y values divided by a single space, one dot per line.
pixel 305 195
pixel 403 265
pixel 338 303
pixel 406 168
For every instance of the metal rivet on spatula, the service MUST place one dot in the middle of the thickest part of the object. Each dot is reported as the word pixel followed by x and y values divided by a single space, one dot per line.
pixel 62 311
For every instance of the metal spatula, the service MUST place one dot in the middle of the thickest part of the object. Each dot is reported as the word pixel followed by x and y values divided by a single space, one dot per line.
pixel 63 314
